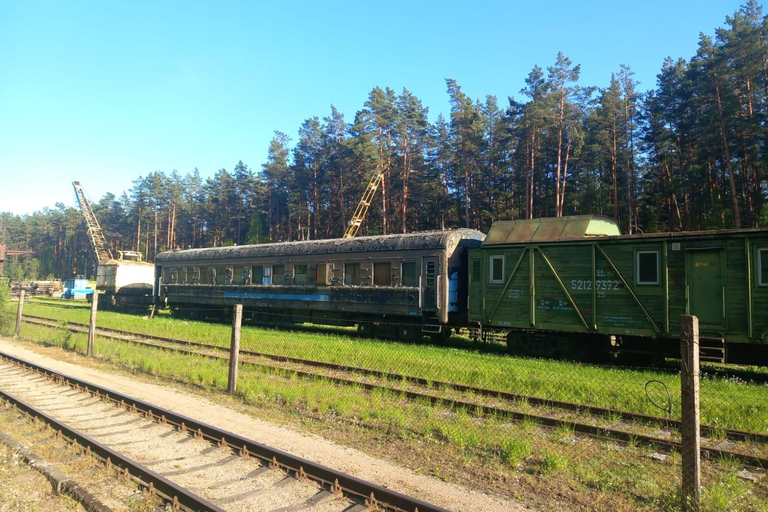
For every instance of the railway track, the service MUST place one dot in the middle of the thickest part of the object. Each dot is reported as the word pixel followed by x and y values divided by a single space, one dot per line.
pixel 186 463
pixel 662 433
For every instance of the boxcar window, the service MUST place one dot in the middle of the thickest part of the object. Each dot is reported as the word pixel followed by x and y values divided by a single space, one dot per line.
pixel 278 274
pixel 300 272
pixel 762 266
pixel 352 273
pixel 409 274
pixel 496 264
pixel 382 274
pixel 647 267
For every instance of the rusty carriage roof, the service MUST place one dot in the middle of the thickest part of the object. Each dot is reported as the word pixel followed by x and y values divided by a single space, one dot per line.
pixel 428 240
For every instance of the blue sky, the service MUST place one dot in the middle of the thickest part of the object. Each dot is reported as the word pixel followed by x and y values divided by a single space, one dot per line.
pixel 106 91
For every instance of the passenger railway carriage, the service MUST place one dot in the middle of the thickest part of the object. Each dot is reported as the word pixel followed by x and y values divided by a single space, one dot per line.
pixel 392 285
pixel 573 285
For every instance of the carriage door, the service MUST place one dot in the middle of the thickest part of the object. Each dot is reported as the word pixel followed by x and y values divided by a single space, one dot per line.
pixel 706 293
pixel 429 283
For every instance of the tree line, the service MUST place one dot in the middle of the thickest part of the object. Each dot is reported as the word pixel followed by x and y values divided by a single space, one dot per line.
pixel 686 155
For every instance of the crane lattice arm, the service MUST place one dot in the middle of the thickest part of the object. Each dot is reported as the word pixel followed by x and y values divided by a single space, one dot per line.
pixel 362 208
pixel 103 254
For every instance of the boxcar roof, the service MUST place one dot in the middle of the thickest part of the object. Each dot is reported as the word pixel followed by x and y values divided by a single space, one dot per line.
pixel 548 229
pixel 586 227
pixel 410 241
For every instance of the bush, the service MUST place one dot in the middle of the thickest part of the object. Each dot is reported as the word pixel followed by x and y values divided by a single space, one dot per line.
pixel 6 311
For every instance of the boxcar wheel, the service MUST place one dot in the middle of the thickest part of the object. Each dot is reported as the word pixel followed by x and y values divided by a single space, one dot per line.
pixel 365 329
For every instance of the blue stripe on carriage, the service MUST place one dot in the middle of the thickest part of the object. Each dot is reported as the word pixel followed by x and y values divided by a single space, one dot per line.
pixel 277 296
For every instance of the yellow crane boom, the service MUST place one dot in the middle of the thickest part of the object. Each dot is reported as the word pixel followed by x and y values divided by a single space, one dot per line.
pixel 103 254
pixel 362 208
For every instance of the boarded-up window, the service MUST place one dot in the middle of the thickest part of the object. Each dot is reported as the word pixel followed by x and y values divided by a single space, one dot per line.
pixel 278 274
pixel 496 265
pixel 762 267
pixel 300 272
pixel 409 274
pixel 382 274
pixel 323 274
pixel 647 267
pixel 352 273
pixel 237 275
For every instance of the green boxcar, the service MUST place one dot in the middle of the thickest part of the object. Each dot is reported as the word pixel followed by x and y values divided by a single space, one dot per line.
pixel 574 285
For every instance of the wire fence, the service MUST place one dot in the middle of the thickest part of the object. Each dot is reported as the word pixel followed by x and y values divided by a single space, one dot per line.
pixel 564 434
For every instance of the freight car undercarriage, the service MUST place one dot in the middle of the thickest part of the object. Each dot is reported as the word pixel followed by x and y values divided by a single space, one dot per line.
pixel 595 347
pixel 369 325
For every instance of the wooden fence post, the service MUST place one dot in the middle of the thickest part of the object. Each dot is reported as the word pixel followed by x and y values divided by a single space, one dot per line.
pixel 689 389
pixel 234 350
pixel 19 313
pixel 92 325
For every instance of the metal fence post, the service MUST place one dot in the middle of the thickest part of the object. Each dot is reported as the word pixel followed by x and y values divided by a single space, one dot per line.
pixel 689 389
pixel 234 350
pixel 92 325
pixel 19 314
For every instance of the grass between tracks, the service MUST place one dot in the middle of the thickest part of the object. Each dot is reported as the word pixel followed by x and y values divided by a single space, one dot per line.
pixel 518 459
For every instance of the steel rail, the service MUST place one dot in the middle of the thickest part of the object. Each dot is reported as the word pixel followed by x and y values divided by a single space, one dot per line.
pixel 706 430
pixel 374 495
pixel 169 491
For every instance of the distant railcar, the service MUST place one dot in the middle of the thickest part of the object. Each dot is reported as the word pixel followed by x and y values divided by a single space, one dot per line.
pixel 392 285
pixel 573 286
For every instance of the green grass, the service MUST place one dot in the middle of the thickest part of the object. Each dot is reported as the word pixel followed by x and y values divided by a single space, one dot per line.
pixel 730 404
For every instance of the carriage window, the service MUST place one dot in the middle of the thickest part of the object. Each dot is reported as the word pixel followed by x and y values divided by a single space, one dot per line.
pixel 174 275
pixel 352 273
pixel 257 274
pixel 647 267
pixel 204 275
pixel 245 275
pixel 278 274
pixel 223 275
pixel 167 275
pixel 762 267
pixel 409 274
pixel 237 275
pixel 382 274
pixel 496 264
pixel 300 272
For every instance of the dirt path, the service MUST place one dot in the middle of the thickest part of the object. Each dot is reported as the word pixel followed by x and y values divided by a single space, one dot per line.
pixel 314 448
